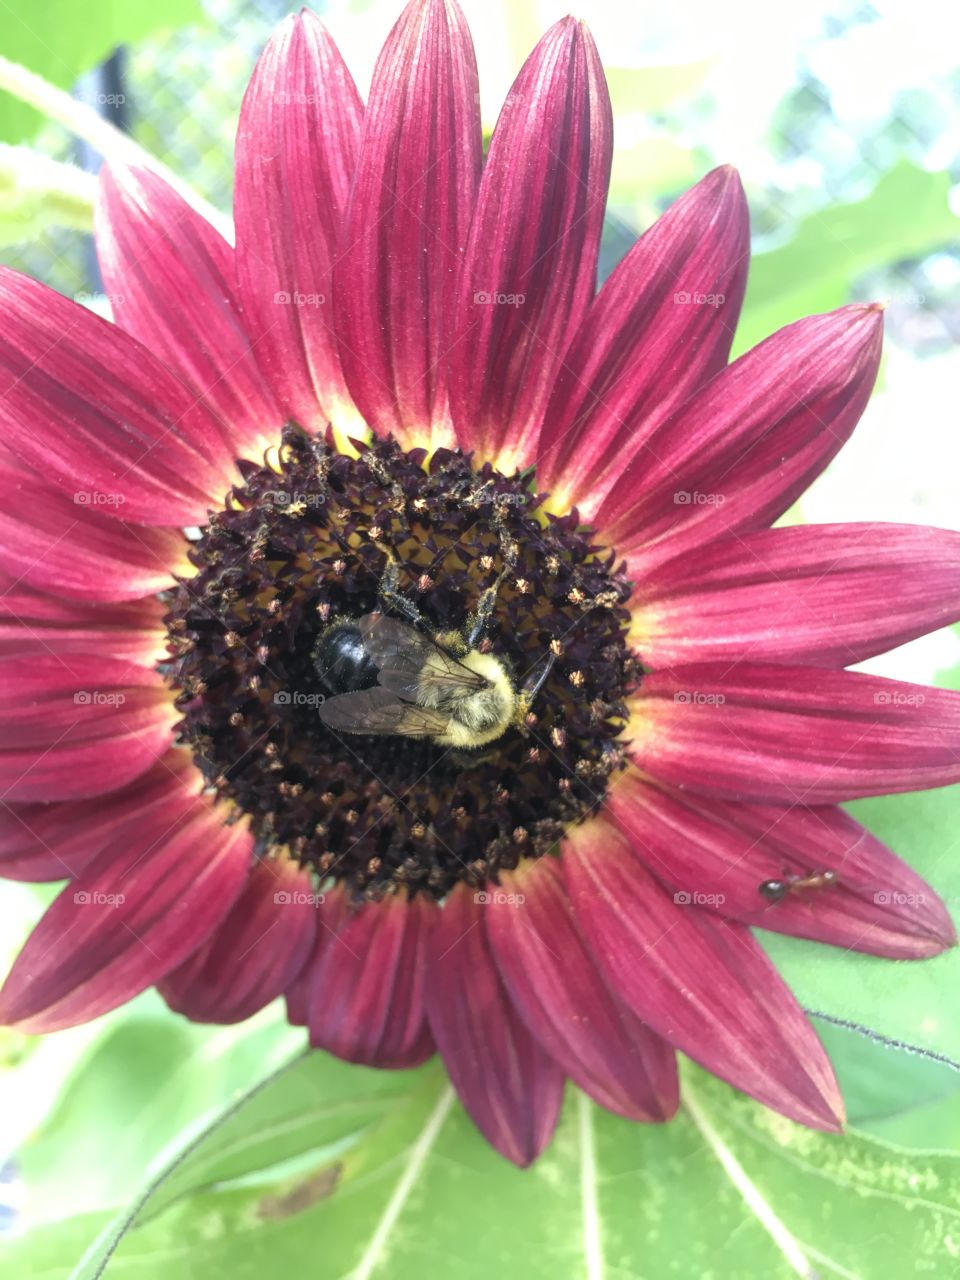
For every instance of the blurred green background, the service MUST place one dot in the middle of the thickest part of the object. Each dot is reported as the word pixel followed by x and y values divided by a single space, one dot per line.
pixel 844 120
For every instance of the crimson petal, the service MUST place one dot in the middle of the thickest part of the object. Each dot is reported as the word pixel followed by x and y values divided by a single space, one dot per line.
pixel 510 1087
pixel 134 913
pixel 531 261
pixel 332 914
pixel 408 221
pixel 80 726
pixel 295 155
pixel 170 277
pixel 741 450
pixel 715 855
pixel 254 954
pixel 649 340
pixel 32 622
pixel 67 546
pixel 51 841
pixel 367 990
pixel 96 413
pixel 704 985
pixel 554 983
pixel 763 732
pixel 824 595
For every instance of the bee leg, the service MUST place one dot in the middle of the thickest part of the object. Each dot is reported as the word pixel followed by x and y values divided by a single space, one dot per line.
pixel 534 682
pixel 480 617
pixel 391 597
pixel 463 759
pixel 509 553
pixel 509 548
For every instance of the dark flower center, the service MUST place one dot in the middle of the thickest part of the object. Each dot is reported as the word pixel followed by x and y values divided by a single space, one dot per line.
pixel 463 563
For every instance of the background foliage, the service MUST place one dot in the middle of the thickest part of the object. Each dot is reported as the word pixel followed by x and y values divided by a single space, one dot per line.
pixel 144 1146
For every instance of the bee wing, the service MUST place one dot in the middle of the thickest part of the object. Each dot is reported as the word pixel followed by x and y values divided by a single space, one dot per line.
pixel 389 639
pixel 380 711
pixel 410 662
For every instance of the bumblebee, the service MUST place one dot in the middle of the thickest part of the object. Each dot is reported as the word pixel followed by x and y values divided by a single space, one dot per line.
pixel 393 676
pixel 388 677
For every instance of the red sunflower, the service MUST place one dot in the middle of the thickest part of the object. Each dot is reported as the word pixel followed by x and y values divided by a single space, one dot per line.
pixel 394 622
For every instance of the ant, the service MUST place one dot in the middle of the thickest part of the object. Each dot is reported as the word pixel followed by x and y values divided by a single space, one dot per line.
pixel 777 890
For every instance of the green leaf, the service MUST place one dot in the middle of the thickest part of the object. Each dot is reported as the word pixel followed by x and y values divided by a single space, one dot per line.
pixel 906 216
pixel 318 1105
pixel 906 1002
pixel 49 1253
pixel 935 1125
pixel 62 39
pixel 148 1077
pixel 881 1084
pixel 829 1204
pixel 727 1189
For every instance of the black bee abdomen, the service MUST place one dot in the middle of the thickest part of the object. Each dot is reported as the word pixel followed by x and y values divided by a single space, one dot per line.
pixel 341 662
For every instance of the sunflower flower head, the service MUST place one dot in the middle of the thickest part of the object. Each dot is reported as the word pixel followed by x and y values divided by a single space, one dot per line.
pixel 396 623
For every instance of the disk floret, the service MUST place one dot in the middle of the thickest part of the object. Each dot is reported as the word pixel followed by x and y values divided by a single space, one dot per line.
pixel 317 539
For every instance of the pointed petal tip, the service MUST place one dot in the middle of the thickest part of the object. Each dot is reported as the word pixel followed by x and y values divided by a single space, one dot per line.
pixel 306 18
pixel 834 1116
pixel 942 937
pixel 926 948
pixel 829 1123
pixel 727 179
pixel 570 30
pixel 826 1113
pixel 863 319
pixel 722 188
pixel 869 315
pixel 808 1095
pixel 431 11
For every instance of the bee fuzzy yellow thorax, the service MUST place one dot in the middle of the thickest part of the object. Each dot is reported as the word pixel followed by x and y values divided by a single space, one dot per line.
pixel 478 717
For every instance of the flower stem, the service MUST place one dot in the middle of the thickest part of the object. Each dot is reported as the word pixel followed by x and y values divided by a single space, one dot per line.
pixel 85 123
pixel 37 192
